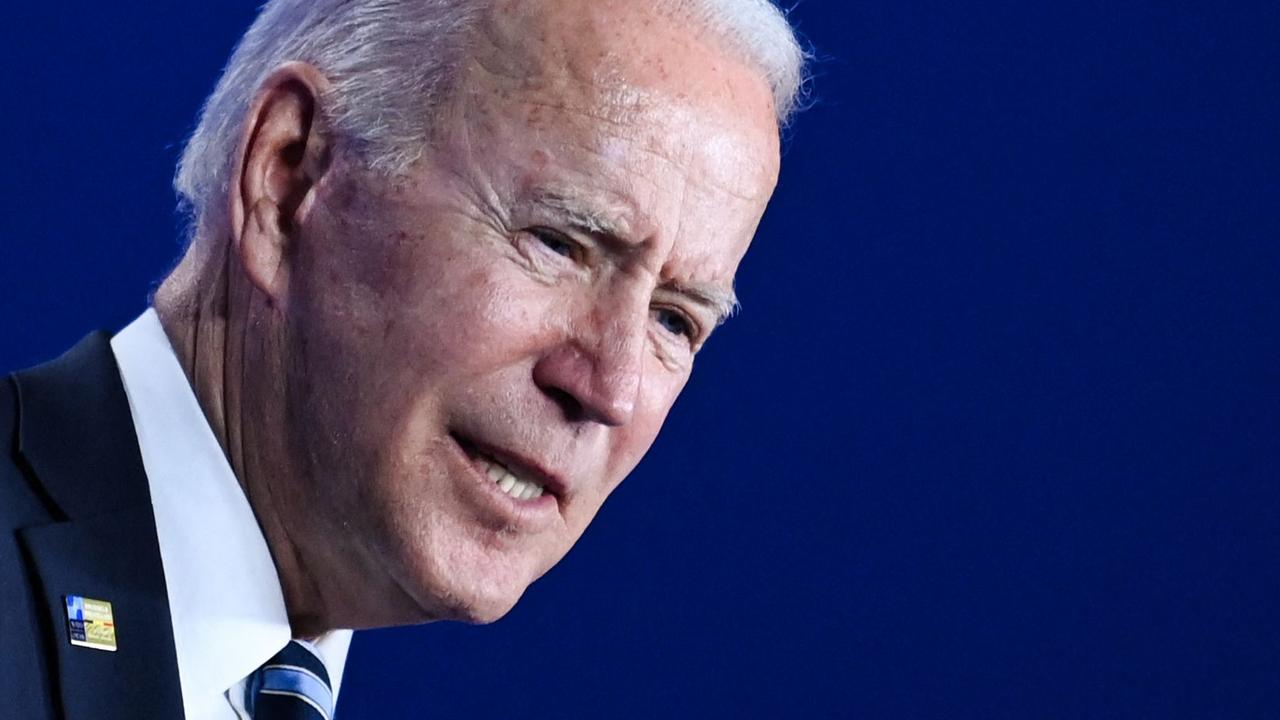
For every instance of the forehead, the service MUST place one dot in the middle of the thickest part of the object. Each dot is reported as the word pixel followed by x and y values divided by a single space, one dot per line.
pixel 634 108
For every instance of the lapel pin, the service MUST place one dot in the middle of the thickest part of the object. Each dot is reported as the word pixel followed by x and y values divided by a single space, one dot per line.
pixel 90 623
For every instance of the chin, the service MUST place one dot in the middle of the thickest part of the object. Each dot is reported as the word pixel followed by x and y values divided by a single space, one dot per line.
pixel 478 606
pixel 470 583
pixel 483 614
pixel 454 561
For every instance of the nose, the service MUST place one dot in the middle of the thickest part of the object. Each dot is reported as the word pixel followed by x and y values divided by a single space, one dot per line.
pixel 595 374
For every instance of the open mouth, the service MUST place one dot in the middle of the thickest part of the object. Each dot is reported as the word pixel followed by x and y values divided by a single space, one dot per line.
pixel 510 476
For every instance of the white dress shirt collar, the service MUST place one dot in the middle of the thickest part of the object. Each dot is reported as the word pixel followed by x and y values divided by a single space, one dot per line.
pixel 224 594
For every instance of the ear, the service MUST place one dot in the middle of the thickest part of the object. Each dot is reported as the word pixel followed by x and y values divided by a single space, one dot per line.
pixel 283 155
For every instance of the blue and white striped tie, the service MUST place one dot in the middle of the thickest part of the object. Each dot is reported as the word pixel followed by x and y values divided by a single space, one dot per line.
pixel 293 685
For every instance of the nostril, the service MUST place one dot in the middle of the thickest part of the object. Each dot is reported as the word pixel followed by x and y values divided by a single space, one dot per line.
pixel 569 405
pixel 589 388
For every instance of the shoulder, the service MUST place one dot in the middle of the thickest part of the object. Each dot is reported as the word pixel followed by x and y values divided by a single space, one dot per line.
pixel 75 515
pixel 25 683
pixel 20 501
pixel 72 425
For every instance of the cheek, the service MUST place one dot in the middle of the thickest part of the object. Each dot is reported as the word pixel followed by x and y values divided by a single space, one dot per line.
pixel 471 313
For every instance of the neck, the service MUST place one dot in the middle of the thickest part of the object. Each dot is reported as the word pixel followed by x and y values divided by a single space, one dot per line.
pixel 220 327
pixel 196 316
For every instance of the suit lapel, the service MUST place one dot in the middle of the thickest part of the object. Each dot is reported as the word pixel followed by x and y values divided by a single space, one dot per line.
pixel 104 557
pixel 76 433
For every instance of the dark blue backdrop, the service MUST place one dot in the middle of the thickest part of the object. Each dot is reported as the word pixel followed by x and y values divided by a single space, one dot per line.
pixel 995 437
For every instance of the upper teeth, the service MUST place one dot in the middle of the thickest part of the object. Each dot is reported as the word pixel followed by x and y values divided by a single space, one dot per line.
pixel 508 482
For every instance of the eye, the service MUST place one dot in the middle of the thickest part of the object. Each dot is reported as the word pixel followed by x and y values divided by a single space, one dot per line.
pixel 557 242
pixel 675 322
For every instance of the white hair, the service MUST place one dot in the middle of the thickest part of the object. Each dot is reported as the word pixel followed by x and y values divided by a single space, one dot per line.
pixel 390 64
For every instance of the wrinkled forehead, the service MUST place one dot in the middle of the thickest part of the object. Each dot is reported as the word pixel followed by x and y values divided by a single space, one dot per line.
pixel 631 66
pixel 601 43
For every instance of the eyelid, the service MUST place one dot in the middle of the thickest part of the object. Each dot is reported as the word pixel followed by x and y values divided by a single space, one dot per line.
pixel 579 251
pixel 702 316
pixel 545 264
pixel 696 335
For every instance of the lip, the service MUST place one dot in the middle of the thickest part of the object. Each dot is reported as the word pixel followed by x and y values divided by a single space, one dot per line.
pixel 532 515
pixel 523 466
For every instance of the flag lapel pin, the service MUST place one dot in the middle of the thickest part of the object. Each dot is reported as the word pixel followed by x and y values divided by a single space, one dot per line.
pixel 90 623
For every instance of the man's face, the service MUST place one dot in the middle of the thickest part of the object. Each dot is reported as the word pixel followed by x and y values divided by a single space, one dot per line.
pixel 483 350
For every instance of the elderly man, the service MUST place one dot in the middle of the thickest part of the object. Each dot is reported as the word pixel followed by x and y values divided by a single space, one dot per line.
pixel 450 265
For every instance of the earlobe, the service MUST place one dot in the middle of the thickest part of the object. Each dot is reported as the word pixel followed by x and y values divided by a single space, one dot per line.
pixel 262 248
pixel 284 154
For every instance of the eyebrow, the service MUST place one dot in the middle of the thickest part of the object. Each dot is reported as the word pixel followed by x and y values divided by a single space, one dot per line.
pixel 586 214
pixel 612 224
pixel 722 301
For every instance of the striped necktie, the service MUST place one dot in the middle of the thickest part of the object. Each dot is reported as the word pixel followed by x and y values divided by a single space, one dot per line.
pixel 293 685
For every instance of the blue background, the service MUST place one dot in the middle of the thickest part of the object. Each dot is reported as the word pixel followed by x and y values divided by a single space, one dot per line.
pixel 996 435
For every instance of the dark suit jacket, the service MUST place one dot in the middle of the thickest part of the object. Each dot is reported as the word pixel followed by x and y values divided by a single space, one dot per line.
pixel 76 519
